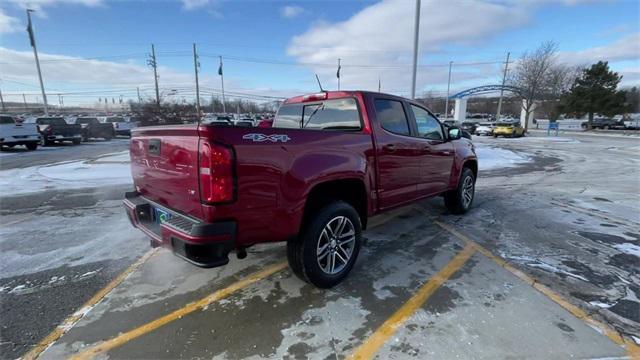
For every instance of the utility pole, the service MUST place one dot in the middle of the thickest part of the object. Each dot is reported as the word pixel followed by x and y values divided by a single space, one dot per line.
pixel 139 98
pixel 415 50
pixel 446 100
pixel 196 65
pixel 504 79
pixel 338 73
pixel 154 64
pixel 24 100
pixel 224 108
pixel 32 39
pixel 2 101
pixel 379 84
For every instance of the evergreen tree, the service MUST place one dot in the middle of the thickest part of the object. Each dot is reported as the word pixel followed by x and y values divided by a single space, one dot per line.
pixel 595 91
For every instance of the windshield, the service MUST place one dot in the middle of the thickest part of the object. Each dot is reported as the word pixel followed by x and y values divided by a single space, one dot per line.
pixel 86 120
pixel 51 121
pixel 6 120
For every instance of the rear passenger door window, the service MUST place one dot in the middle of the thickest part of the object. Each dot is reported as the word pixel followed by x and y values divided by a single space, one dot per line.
pixel 391 116
pixel 427 125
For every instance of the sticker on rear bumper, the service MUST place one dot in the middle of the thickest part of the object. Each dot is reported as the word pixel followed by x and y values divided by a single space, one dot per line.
pixel 262 137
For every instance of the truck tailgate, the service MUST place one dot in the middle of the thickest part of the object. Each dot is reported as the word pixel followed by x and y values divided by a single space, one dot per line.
pixel 164 166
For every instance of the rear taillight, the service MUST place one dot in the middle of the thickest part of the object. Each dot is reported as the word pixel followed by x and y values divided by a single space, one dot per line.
pixel 216 173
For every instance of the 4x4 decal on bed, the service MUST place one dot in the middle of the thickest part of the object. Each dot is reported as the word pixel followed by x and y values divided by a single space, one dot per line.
pixel 262 137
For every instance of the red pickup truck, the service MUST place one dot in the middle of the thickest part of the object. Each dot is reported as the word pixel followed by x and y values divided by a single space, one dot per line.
pixel 330 162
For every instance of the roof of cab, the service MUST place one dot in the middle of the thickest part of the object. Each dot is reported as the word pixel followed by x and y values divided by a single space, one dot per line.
pixel 332 95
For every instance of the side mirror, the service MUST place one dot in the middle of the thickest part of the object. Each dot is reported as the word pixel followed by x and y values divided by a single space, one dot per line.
pixel 455 133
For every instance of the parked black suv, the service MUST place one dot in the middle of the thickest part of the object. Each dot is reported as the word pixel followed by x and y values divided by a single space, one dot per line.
pixel 604 123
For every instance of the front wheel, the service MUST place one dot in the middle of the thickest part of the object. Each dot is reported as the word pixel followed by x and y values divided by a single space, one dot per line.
pixel 31 146
pixel 328 245
pixel 459 201
pixel 77 141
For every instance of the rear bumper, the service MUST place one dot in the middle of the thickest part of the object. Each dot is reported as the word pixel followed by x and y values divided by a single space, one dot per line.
pixel 62 137
pixel 202 244
pixel 22 140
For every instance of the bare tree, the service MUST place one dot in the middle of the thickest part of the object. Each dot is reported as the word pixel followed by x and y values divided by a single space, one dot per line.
pixel 557 82
pixel 531 75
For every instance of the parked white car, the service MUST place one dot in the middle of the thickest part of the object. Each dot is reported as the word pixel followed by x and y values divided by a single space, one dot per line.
pixel 14 133
pixel 632 121
pixel 485 129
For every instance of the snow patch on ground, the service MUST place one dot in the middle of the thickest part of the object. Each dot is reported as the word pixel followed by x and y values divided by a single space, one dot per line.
pixel 628 248
pixel 110 169
pixel 20 150
pixel 490 158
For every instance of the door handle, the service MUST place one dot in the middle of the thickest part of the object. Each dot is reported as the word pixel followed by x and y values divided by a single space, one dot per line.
pixel 389 148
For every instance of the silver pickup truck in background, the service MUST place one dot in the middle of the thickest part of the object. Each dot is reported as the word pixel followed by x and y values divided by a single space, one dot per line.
pixel 122 125
pixel 13 132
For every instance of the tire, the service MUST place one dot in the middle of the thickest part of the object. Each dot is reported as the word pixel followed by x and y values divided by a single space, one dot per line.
pixel 31 146
pixel 302 252
pixel 77 141
pixel 46 142
pixel 458 201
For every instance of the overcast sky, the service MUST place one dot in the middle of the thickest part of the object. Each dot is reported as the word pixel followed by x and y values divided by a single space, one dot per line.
pixel 95 48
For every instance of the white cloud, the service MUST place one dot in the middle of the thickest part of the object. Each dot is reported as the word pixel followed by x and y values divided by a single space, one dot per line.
pixel 39 5
pixel 626 48
pixel 630 76
pixel 8 24
pixel 382 34
pixel 194 4
pixel 73 70
pixel 291 11
pixel 63 73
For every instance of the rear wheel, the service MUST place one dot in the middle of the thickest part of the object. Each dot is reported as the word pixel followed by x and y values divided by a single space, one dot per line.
pixel 77 141
pixel 459 201
pixel 32 145
pixel 328 245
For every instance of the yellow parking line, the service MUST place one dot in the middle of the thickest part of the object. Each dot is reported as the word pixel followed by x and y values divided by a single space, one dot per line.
pixel 633 350
pixel 71 320
pixel 369 348
pixel 187 309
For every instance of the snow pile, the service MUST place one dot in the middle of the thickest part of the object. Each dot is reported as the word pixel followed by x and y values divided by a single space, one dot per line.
pixel 490 158
pixel 541 139
pixel 111 169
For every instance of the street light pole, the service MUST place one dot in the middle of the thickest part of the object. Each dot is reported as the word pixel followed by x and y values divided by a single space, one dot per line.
pixel 196 64
pixel 2 101
pixel 415 50
pixel 504 79
pixel 446 100
pixel 32 39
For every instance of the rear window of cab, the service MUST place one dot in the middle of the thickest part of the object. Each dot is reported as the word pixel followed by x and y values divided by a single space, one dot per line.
pixel 333 114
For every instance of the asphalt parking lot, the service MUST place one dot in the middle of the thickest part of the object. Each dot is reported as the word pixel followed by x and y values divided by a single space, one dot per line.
pixel 546 265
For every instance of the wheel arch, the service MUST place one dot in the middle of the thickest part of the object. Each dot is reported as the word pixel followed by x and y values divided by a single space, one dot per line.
pixel 351 190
